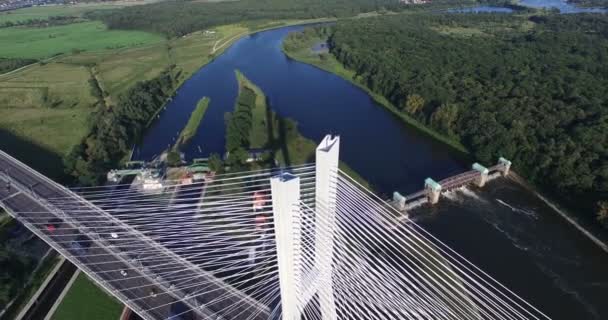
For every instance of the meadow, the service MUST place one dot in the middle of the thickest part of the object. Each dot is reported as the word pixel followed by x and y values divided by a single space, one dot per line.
pixel 44 107
pixel 78 10
pixel 39 43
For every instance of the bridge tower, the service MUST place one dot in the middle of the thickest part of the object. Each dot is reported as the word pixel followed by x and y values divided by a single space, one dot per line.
pixel 433 190
pixel 326 177
pixel 483 174
pixel 287 224
pixel 506 166
pixel 295 292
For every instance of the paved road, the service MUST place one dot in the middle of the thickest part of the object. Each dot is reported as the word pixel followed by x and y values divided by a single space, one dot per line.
pixel 50 294
pixel 104 258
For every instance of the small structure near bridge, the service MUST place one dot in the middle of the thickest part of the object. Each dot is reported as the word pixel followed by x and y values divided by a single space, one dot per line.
pixel 431 193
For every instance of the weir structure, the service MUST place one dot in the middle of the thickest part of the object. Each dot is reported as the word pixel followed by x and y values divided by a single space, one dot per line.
pixel 479 175
pixel 305 242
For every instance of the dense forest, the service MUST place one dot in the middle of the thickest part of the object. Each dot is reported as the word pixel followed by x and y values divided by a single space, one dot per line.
pixel 238 129
pixel 177 18
pixel 531 89
pixel 114 130
pixel 12 275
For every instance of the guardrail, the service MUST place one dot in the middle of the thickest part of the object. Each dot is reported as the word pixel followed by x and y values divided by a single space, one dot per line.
pixel 170 288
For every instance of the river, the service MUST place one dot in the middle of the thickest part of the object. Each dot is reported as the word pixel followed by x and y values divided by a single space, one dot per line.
pixel 562 5
pixel 504 229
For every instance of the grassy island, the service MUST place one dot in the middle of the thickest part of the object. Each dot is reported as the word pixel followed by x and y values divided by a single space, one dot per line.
pixel 194 122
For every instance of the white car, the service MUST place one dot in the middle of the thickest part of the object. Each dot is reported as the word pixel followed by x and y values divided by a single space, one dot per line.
pixel 114 235
pixel 123 273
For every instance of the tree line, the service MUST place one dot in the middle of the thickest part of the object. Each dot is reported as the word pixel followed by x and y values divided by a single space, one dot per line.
pixel 114 130
pixel 41 23
pixel 238 129
pixel 536 96
pixel 10 64
pixel 177 18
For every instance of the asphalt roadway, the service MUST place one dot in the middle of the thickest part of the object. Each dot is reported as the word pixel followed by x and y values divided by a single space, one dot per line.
pixel 104 260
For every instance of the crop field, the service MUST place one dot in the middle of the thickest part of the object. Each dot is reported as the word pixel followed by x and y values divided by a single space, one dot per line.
pixel 23 42
pixel 44 12
pixel 41 108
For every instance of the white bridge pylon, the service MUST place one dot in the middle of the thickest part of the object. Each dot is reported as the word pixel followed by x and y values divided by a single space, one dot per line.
pixel 343 256
pixel 298 289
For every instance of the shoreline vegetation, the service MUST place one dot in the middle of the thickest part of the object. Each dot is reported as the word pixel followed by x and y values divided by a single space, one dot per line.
pixel 193 124
pixel 253 125
pixel 302 52
pixel 299 45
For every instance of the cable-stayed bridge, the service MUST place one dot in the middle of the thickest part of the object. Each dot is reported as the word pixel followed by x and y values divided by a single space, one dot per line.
pixel 305 242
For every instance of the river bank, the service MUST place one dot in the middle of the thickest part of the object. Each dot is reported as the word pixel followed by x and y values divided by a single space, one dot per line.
pixel 563 212
pixel 327 62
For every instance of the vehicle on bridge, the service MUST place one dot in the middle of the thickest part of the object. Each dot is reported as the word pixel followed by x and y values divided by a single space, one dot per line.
pixel 80 245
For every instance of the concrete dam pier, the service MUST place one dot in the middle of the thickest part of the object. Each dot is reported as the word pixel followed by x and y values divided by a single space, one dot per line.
pixel 432 191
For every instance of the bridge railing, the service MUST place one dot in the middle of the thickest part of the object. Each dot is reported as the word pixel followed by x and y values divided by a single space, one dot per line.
pixel 65 253
pixel 194 303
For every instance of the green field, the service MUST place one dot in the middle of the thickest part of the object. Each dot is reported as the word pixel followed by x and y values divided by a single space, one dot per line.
pixel 21 42
pixel 191 127
pixel 44 12
pixel 72 10
pixel 42 115
pixel 44 107
pixel 85 300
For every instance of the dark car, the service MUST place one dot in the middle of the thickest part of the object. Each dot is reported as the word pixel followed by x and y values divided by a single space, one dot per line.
pixel 80 244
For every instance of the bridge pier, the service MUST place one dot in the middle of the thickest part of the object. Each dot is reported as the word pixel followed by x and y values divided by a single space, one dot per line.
pixel 506 166
pixel 287 224
pixel 433 190
pixel 483 174
pixel 399 200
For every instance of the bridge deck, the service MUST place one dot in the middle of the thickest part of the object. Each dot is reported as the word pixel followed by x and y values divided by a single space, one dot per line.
pixel 103 261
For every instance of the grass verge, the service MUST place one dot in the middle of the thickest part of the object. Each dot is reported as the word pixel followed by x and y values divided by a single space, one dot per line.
pixel 85 300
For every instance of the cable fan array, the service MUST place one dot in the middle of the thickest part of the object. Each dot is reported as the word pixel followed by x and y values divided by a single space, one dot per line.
pixel 211 247
pixel 386 269
pixel 221 227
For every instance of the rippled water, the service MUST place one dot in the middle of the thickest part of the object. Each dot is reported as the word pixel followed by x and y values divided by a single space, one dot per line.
pixel 562 5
